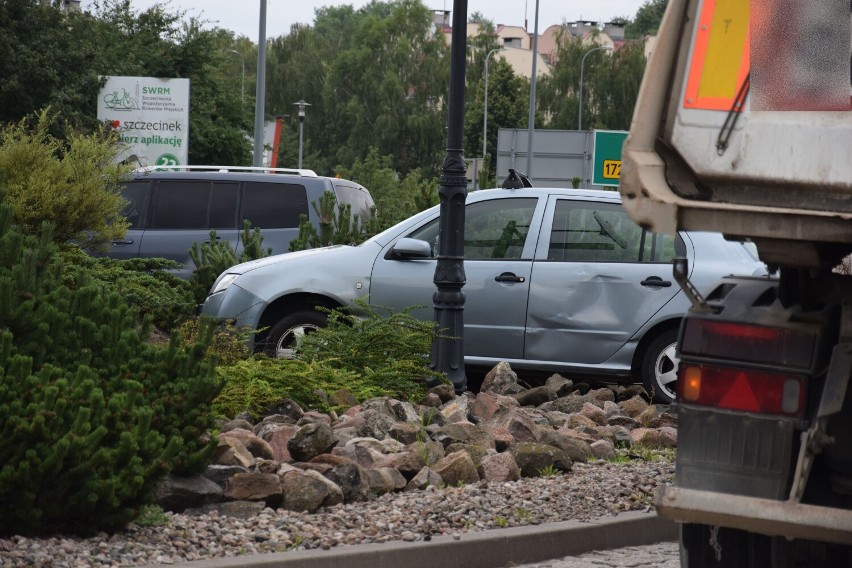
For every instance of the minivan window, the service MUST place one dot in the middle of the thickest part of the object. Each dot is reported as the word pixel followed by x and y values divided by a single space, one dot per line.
pixel 136 196
pixel 223 205
pixel 356 197
pixel 181 205
pixel 274 205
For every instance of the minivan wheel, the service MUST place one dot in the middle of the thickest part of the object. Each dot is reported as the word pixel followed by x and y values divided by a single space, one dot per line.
pixel 282 337
pixel 659 367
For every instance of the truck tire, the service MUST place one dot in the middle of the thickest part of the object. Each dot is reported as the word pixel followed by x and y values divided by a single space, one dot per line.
pixel 281 340
pixel 659 367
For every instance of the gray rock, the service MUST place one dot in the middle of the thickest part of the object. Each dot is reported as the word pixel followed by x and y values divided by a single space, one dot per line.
pixel 252 486
pixel 534 459
pixel 310 441
pixel 177 493
pixel 353 482
pixel 457 468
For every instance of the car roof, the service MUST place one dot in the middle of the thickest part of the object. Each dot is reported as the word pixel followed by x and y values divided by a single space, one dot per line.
pixel 593 194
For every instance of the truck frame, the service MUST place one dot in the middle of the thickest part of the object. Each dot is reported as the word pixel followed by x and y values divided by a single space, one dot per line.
pixel 743 125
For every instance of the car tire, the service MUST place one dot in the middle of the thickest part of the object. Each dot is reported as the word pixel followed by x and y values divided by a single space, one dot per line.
pixel 659 367
pixel 281 340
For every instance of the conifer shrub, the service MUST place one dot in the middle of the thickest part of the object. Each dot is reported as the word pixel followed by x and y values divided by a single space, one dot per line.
pixel 145 284
pixel 371 356
pixel 93 416
pixel 216 256
pixel 337 225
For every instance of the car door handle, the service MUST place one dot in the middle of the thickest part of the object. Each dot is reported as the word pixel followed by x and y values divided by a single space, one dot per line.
pixel 656 281
pixel 207 242
pixel 509 277
pixel 119 242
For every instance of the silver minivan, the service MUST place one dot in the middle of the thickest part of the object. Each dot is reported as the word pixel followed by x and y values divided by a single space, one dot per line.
pixel 557 280
pixel 170 209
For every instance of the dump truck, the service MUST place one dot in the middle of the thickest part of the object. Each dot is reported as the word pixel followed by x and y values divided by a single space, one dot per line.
pixel 743 126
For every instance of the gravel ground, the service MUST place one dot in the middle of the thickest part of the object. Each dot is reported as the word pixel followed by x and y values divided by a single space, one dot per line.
pixel 590 491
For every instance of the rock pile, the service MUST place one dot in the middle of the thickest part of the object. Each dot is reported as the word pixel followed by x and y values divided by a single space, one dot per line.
pixel 304 461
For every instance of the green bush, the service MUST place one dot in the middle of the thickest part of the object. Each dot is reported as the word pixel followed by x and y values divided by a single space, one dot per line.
pixel 72 184
pixel 228 345
pixel 255 385
pixel 389 350
pixel 216 256
pixel 93 415
pixel 370 357
pixel 148 289
pixel 337 225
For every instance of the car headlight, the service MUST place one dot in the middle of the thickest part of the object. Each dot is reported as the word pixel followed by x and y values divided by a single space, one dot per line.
pixel 223 282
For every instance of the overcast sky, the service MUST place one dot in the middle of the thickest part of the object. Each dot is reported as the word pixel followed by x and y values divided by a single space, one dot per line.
pixel 242 16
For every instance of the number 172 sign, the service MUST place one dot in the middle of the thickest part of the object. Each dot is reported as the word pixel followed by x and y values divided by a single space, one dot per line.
pixel 606 157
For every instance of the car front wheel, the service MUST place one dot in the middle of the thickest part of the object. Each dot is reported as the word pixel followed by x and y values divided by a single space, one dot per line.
pixel 283 336
pixel 659 367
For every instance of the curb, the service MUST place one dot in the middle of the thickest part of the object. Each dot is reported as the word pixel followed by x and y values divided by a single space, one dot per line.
pixel 483 549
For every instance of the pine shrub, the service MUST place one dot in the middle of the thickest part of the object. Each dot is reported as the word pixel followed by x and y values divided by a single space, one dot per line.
pixel 371 356
pixel 145 283
pixel 216 256
pixel 92 416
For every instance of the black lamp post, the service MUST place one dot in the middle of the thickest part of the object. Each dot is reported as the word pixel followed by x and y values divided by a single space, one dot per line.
pixel 448 346
pixel 302 106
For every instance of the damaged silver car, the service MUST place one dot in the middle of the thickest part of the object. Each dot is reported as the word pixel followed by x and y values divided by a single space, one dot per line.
pixel 557 280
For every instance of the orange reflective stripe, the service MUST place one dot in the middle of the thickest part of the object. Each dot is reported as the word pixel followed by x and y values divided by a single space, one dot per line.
pixel 720 55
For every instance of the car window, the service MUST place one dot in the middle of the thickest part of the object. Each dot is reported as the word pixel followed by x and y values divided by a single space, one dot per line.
pixel 223 205
pixel 356 197
pixel 274 205
pixel 181 205
pixel 602 232
pixel 135 194
pixel 493 229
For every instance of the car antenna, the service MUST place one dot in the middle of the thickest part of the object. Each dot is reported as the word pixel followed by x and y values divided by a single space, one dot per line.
pixel 516 180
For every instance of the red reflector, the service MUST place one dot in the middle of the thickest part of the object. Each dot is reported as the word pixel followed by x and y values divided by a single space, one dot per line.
pixel 777 346
pixel 740 395
pixel 741 389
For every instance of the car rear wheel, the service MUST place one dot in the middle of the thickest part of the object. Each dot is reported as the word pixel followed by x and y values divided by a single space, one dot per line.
pixel 659 367
pixel 282 337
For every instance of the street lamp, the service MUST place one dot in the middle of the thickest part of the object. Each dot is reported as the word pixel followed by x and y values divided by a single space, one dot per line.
pixel 260 89
pixel 447 356
pixel 531 122
pixel 485 113
pixel 580 93
pixel 302 105
pixel 243 83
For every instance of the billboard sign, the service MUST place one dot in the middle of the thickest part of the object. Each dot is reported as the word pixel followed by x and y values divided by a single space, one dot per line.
pixel 152 117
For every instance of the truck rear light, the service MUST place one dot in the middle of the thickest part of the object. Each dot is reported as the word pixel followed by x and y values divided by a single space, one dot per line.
pixel 747 342
pixel 741 389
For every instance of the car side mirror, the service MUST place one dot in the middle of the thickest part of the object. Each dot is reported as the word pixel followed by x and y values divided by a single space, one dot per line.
pixel 406 248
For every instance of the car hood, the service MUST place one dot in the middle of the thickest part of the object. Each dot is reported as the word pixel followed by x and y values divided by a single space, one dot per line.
pixel 298 256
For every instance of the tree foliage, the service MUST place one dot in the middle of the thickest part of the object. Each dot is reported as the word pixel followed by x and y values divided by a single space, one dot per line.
pixel 71 184
pixel 610 85
pixel 376 77
pixel 647 20
pixel 59 59
pixel 93 415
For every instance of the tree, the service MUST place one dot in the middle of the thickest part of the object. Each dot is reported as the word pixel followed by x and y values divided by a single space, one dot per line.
pixel 375 77
pixel 508 107
pixel 610 85
pixel 615 86
pixel 647 20
pixel 71 184
pixel 58 59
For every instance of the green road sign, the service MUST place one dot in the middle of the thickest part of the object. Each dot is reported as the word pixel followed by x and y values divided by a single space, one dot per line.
pixel 606 157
